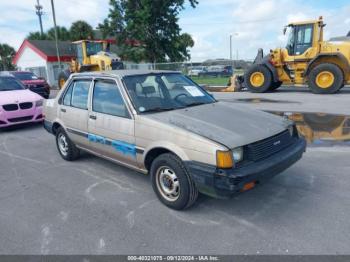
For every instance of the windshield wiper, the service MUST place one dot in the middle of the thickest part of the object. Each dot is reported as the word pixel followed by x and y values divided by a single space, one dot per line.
pixel 195 104
pixel 158 109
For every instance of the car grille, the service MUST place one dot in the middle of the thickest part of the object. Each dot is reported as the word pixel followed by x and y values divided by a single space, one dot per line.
pixel 20 119
pixel 26 105
pixel 268 146
pixel 10 107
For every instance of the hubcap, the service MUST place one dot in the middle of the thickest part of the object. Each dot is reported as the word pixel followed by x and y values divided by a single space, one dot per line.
pixel 325 79
pixel 257 79
pixel 62 144
pixel 168 184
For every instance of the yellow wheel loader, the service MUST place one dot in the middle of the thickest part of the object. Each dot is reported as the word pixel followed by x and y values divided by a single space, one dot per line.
pixel 91 55
pixel 307 59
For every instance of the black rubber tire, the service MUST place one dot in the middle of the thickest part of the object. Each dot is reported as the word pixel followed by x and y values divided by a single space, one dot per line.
pixel 275 85
pixel 188 191
pixel 267 75
pixel 338 79
pixel 63 75
pixel 73 152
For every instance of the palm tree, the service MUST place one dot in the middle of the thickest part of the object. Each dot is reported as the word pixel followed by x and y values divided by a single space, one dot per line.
pixel 62 33
pixel 6 54
pixel 81 30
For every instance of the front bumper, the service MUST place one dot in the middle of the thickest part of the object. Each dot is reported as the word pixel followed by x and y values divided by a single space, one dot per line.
pixel 223 183
pixel 11 118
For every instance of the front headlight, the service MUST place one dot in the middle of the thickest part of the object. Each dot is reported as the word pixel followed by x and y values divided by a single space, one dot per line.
pixel 237 154
pixel 39 103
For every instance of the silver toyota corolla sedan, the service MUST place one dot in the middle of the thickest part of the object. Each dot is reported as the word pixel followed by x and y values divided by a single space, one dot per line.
pixel 164 124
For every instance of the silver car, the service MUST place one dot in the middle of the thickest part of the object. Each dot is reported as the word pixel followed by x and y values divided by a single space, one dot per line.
pixel 164 124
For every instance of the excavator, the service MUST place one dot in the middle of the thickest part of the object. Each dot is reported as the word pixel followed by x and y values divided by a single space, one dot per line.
pixel 307 60
pixel 91 55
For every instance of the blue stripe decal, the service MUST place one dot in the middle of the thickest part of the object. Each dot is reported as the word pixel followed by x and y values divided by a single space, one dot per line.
pixel 120 146
pixel 125 148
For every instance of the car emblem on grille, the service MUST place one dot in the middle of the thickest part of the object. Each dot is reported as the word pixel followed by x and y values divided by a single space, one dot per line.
pixel 277 143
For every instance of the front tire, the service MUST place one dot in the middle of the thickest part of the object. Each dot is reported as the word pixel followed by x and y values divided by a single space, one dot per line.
pixel 258 79
pixel 65 146
pixel 326 79
pixel 172 183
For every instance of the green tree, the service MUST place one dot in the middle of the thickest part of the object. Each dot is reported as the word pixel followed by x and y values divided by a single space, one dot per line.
pixel 37 36
pixel 80 30
pixel 154 26
pixel 62 34
pixel 6 54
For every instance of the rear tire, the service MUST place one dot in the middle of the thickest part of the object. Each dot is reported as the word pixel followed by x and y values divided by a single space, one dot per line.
pixel 65 146
pixel 326 79
pixel 258 79
pixel 172 183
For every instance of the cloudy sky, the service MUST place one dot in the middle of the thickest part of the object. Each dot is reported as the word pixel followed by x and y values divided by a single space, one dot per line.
pixel 252 23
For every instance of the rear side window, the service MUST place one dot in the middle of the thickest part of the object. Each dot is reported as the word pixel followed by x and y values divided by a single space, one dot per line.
pixel 80 93
pixel 68 96
pixel 108 100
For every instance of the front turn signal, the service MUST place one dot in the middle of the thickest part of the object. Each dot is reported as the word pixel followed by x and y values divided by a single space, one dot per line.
pixel 224 159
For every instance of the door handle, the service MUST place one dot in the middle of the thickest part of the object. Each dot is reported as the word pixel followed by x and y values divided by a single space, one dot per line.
pixel 63 110
pixel 93 117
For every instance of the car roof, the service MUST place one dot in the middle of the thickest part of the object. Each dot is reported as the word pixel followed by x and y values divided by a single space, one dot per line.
pixel 122 73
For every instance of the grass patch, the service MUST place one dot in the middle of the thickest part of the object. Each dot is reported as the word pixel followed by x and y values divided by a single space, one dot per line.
pixel 212 81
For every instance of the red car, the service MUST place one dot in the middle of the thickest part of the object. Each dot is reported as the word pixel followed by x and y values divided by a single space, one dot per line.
pixel 32 82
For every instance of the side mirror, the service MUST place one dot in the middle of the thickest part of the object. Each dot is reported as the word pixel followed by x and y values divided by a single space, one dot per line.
pixel 284 30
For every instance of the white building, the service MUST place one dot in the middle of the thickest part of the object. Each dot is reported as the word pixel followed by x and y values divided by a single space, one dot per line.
pixel 39 56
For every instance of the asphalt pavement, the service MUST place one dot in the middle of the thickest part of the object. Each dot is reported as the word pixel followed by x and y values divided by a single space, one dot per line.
pixel 92 206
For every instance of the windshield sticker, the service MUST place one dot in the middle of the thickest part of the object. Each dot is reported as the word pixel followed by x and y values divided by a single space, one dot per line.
pixel 193 90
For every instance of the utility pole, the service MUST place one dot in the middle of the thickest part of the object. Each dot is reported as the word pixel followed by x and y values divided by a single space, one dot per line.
pixel 39 12
pixel 231 47
pixel 56 37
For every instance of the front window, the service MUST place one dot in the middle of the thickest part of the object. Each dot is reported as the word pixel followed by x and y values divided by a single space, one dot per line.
pixel 92 48
pixel 10 84
pixel 108 100
pixel 164 91
pixel 299 39
pixel 25 76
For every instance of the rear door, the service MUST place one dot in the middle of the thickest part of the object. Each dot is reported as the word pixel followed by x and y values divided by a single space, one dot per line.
pixel 111 125
pixel 73 111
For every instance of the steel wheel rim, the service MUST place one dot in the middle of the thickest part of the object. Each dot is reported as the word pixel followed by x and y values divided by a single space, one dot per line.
pixel 257 79
pixel 63 144
pixel 168 183
pixel 325 79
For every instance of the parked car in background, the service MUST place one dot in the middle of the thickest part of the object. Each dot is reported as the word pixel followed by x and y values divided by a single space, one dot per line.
pixel 195 70
pixel 32 82
pixel 18 105
pixel 164 124
pixel 217 71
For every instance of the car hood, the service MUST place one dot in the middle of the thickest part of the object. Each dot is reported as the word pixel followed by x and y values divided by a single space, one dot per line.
pixel 18 96
pixel 228 124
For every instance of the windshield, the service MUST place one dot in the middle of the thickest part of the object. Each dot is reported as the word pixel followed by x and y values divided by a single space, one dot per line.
pixel 92 48
pixel 290 41
pixel 164 91
pixel 9 84
pixel 25 76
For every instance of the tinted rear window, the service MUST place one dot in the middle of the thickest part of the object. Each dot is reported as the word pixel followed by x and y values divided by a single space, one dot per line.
pixel 25 76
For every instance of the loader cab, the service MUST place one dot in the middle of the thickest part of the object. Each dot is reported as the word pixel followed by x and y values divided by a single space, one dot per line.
pixel 300 39
pixel 303 35
pixel 87 48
